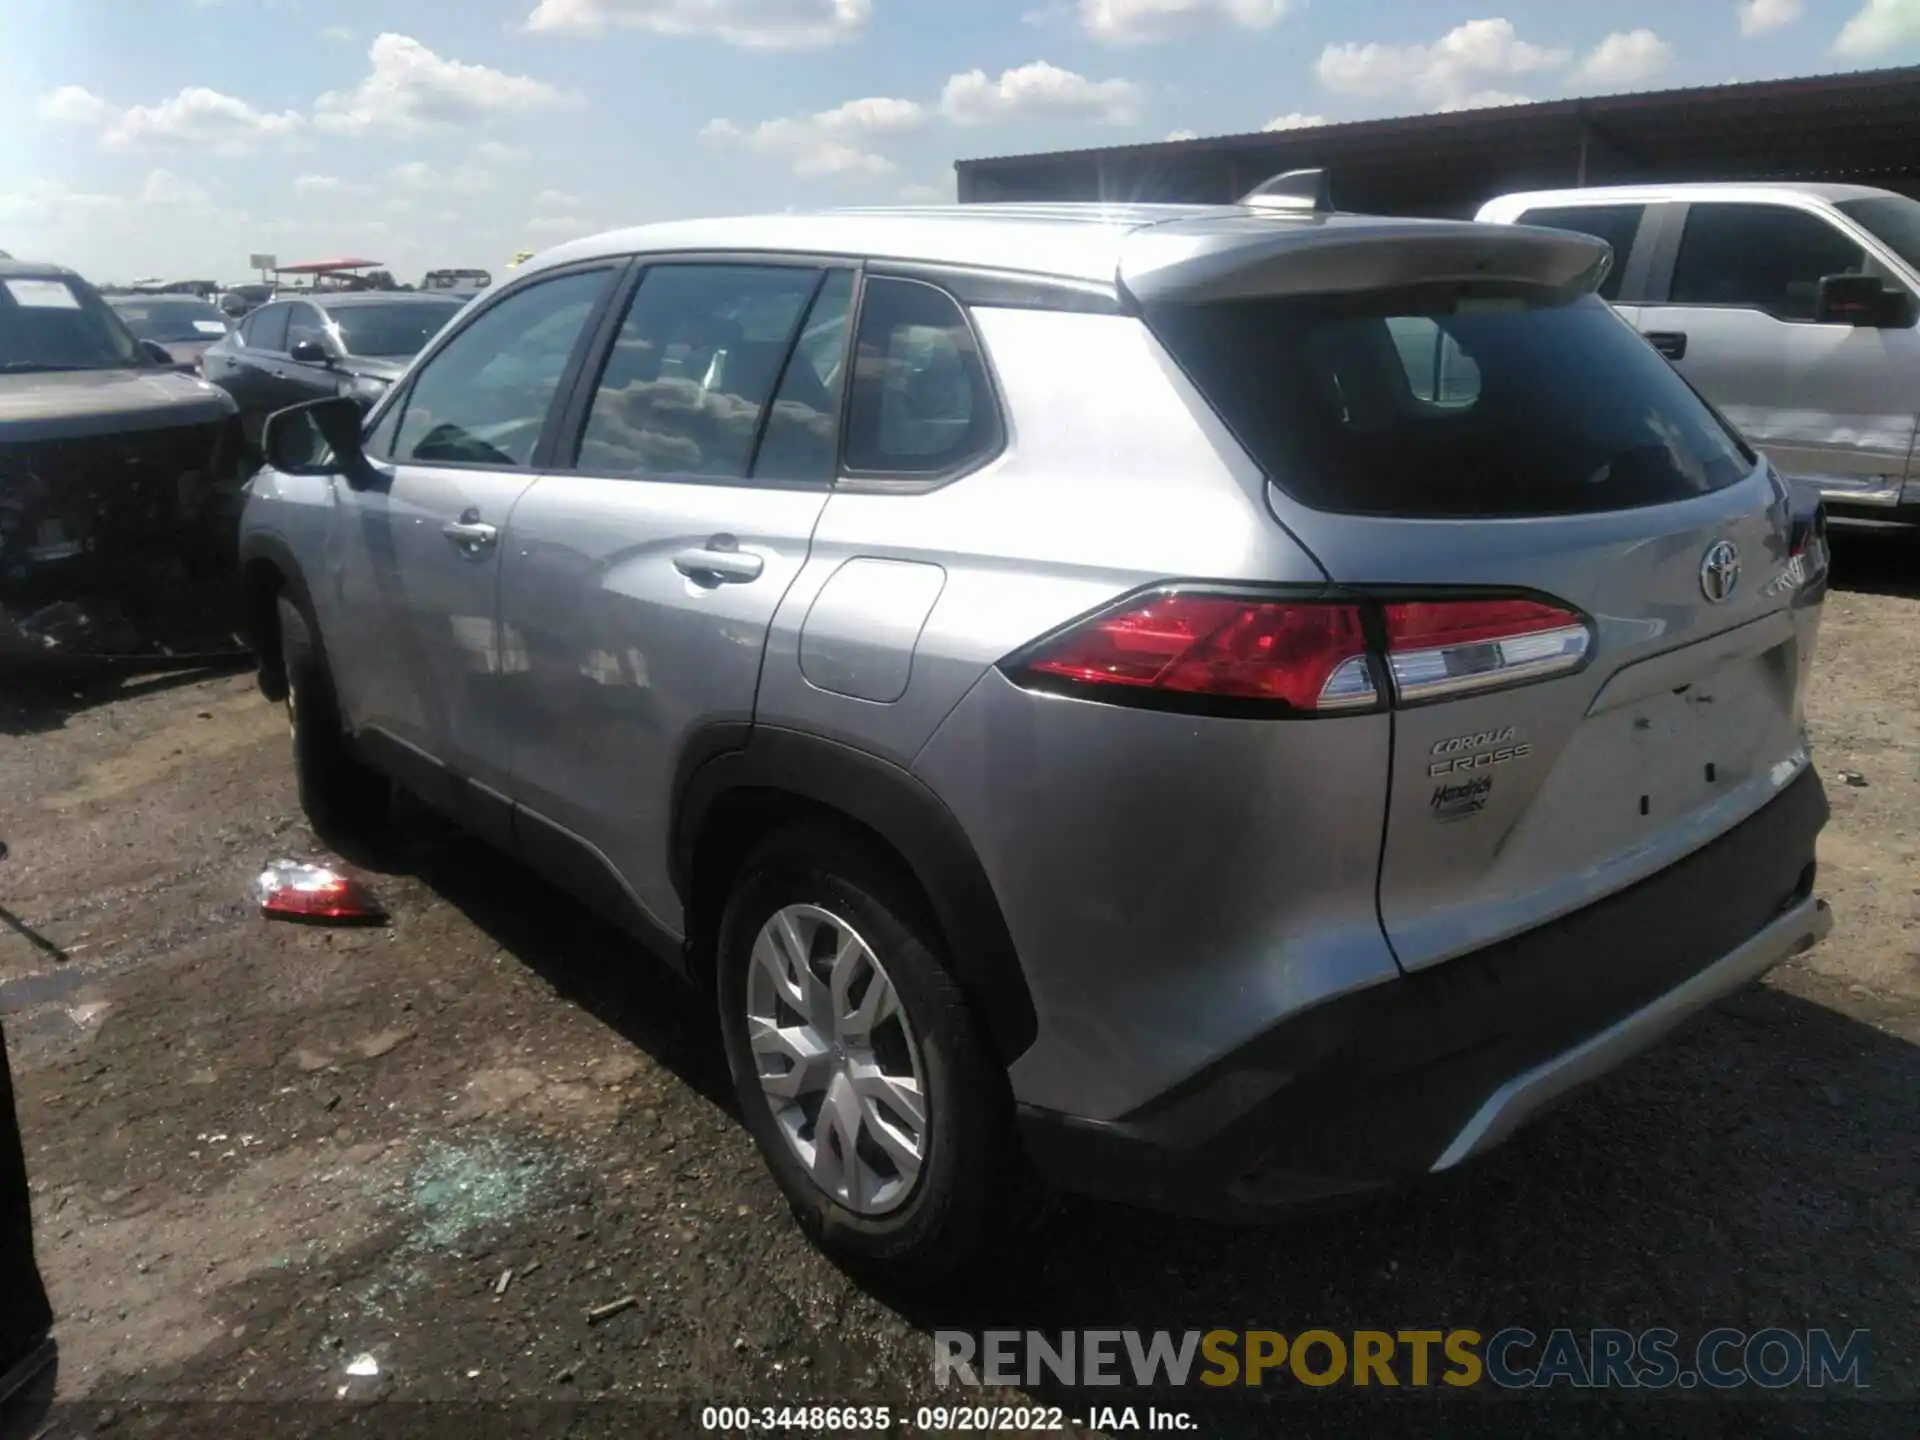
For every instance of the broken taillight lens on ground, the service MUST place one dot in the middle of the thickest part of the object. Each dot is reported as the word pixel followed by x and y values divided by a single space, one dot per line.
pixel 290 890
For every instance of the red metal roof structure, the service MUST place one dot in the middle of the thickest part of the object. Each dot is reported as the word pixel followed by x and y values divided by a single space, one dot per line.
pixel 325 267
pixel 1862 127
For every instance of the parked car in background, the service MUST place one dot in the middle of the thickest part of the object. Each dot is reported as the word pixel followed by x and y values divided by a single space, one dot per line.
pixel 239 301
pixel 467 283
pixel 1792 307
pixel 185 326
pixel 118 474
pixel 331 343
pixel 1075 684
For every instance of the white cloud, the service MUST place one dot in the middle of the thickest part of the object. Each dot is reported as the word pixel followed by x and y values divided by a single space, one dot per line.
pixel 1759 17
pixel 831 142
pixel 1880 27
pixel 1038 91
pixel 926 194
pixel 410 86
pixel 338 34
pixel 1138 22
pixel 459 180
pixel 1623 60
pixel 197 118
pixel 493 152
pixel 554 202
pixel 1295 120
pixel 328 185
pixel 1183 135
pixel 75 105
pixel 163 187
pixel 755 24
pixel 1456 72
pixel 560 227
pixel 52 203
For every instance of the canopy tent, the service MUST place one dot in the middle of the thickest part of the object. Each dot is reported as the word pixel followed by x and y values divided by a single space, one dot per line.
pixel 325 267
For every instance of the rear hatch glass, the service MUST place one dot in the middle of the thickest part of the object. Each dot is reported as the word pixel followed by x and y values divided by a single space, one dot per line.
pixel 1440 452
pixel 1429 405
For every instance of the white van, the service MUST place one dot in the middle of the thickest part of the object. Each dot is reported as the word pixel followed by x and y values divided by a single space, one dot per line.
pixel 1792 307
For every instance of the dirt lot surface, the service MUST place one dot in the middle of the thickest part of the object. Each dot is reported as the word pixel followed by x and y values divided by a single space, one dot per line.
pixel 262 1153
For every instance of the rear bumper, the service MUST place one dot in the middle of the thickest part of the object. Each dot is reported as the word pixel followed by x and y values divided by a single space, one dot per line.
pixel 1423 1072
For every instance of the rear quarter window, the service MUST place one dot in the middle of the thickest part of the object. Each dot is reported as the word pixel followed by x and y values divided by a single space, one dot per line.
pixel 921 403
pixel 1409 404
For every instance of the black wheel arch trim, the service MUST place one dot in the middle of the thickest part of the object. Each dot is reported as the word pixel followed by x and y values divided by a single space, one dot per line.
pixel 903 811
pixel 268 548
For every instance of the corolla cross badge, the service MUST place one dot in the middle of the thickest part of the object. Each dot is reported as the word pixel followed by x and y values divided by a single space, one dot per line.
pixel 1720 571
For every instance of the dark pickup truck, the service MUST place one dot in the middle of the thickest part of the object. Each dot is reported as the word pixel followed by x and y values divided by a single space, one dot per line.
pixel 119 484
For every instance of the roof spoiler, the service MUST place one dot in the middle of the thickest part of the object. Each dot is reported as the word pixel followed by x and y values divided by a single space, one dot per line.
pixel 1309 191
pixel 1243 257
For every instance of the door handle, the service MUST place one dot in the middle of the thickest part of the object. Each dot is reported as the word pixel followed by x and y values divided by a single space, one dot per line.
pixel 471 535
pixel 720 562
pixel 1670 343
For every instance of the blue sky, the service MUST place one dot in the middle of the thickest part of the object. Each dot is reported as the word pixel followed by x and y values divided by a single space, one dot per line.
pixel 176 137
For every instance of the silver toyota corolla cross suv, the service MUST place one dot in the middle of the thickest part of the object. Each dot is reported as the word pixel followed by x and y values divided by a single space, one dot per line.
pixel 1218 707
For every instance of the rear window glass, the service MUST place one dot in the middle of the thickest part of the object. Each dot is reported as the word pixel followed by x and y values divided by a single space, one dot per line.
pixel 392 332
pixel 1423 406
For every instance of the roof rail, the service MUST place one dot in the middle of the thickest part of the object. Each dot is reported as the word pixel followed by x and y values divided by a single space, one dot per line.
pixel 1304 190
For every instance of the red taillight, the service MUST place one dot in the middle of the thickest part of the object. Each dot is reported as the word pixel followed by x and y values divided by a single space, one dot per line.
pixel 291 891
pixel 1807 559
pixel 1447 647
pixel 1307 656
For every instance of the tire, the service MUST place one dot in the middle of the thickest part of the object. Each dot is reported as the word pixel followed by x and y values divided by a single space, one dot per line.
pixel 342 797
pixel 972 1193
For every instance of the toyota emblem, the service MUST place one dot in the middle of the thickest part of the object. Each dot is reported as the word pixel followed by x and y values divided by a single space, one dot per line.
pixel 1720 571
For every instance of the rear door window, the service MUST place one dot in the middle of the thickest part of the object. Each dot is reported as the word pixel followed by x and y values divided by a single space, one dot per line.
pixel 1760 257
pixel 1615 224
pixel 802 428
pixel 267 329
pixel 1423 405
pixel 692 370
pixel 304 323
pixel 921 403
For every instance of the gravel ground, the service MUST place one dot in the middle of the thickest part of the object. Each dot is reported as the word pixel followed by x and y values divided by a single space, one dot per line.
pixel 263 1153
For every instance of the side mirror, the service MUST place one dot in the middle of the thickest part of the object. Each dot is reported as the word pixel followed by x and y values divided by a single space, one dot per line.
pixel 1863 301
pixel 317 438
pixel 311 352
pixel 159 353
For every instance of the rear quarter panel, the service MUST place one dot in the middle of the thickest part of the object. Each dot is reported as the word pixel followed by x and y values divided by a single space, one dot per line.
pixel 1172 883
